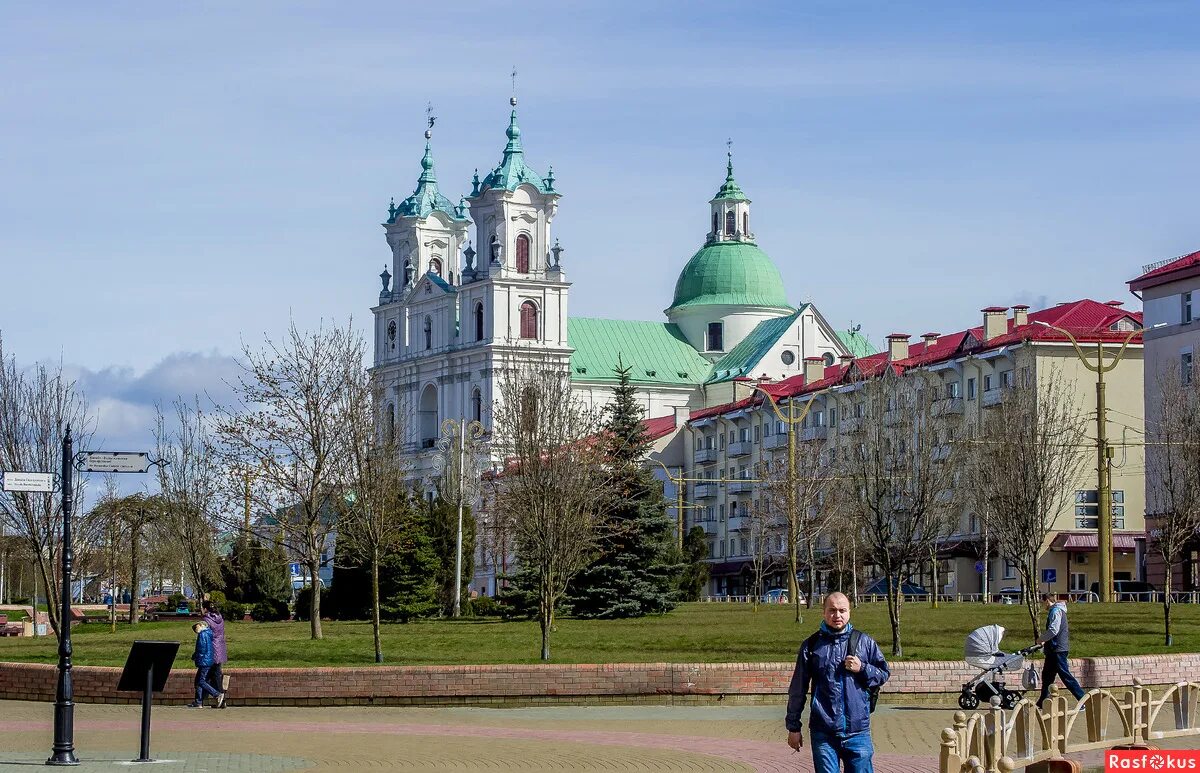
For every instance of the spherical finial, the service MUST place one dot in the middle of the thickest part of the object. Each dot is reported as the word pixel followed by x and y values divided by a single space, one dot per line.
pixel 512 101
pixel 428 134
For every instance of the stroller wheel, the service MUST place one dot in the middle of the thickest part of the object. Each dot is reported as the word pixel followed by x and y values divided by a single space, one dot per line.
pixel 1010 699
pixel 967 701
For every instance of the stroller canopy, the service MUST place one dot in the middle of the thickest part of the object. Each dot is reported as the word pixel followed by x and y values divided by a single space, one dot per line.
pixel 982 649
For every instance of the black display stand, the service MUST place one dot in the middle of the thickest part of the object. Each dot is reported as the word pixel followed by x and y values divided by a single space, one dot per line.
pixel 147 669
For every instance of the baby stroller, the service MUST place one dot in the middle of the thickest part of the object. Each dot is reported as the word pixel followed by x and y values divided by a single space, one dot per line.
pixel 983 651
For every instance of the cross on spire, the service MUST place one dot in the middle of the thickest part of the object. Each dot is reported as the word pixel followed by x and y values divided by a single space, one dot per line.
pixel 430 119
pixel 514 84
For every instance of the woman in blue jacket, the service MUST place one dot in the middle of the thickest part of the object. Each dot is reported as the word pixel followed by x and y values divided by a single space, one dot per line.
pixel 203 658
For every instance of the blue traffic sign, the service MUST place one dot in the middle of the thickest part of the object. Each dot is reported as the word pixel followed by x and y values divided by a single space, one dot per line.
pixel 294 568
pixel 1049 575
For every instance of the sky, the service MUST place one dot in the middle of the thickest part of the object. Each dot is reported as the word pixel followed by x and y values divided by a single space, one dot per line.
pixel 181 179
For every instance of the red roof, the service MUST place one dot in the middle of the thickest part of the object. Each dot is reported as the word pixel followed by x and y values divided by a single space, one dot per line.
pixel 659 427
pixel 1083 542
pixel 1181 267
pixel 1089 321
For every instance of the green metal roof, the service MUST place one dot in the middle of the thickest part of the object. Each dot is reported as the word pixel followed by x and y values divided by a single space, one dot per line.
pixel 426 198
pixel 656 352
pixel 733 273
pixel 740 360
pixel 512 170
pixel 856 343
pixel 730 191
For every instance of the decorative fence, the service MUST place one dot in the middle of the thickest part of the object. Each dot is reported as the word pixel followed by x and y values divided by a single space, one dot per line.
pixel 999 741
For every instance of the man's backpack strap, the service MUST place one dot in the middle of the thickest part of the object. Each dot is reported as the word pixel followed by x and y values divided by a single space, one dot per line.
pixel 852 649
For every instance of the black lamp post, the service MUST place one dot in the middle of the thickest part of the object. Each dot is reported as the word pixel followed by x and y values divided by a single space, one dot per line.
pixel 64 704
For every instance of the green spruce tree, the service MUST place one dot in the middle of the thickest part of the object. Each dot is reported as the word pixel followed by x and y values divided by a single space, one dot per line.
pixel 637 570
pixel 443 527
pixel 696 569
pixel 408 576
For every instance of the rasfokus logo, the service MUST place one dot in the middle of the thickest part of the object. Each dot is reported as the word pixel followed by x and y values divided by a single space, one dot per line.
pixel 1142 759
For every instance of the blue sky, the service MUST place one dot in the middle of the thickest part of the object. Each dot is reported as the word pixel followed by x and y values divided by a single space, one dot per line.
pixel 179 177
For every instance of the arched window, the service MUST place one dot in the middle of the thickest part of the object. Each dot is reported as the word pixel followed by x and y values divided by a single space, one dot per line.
pixel 523 253
pixel 730 223
pixel 479 321
pixel 428 333
pixel 716 225
pixel 529 320
pixel 745 222
pixel 435 266
pixel 476 405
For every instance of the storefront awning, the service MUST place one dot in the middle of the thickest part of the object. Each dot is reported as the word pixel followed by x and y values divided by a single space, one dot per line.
pixel 1086 542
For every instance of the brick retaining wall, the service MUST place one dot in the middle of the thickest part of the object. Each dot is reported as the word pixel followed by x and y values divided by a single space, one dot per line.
pixel 530 684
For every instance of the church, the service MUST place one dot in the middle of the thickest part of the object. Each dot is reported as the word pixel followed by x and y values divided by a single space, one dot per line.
pixel 481 285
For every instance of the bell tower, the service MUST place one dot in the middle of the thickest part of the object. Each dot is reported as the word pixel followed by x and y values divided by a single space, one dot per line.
pixel 730 210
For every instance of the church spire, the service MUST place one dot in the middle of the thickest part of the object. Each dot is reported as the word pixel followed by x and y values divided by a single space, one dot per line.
pixel 730 207
pixel 512 170
pixel 426 198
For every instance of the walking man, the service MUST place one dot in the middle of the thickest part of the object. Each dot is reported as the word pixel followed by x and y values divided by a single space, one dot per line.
pixel 843 669
pixel 1056 641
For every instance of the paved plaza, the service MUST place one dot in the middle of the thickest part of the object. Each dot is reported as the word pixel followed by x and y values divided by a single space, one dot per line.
pixel 567 738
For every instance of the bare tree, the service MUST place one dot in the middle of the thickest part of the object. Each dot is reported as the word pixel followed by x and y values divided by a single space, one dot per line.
pixel 37 406
pixel 759 532
pixel 290 424
pixel 553 483
pixel 1173 475
pixel 376 506
pixel 190 484
pixel 897 479
pixel 1025 462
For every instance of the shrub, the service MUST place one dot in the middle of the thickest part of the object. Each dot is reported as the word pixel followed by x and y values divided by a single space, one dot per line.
pixel 216 597
pixel 303 597
pixel 270 610
pixel 486 606
pixel 233 610
pixel 173 602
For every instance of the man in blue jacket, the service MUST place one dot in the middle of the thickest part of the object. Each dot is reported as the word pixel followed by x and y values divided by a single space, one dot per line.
pixel 1056 643
pixel 202 656
pixel 842 679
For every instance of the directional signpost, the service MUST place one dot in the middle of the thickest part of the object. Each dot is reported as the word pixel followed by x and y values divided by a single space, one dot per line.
pixel 114 461
pixel 35 482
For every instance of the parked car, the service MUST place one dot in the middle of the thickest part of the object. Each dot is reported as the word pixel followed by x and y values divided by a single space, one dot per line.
pixel 779 596
pixel 1130 590
pixel 880 587
pixel 1010 595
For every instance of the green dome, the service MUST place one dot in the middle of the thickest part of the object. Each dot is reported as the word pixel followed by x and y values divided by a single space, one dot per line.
pixel 730 273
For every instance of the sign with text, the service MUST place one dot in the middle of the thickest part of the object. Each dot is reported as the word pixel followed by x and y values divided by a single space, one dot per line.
pixel 115 461
pixel 40 482
pixel 1151 759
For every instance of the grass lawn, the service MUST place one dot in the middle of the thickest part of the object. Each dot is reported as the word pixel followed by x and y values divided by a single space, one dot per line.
pixel 692 633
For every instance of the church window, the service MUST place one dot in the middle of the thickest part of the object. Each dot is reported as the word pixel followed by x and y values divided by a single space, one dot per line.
pixel 435 266
pixel 523 253
pixel 476 405
pixel 716 226
pixel 745 222
pixel 529 320
pixel 715 337
pixel 787 356
pixel 428 333
pixel 479 321
pixel 730 223
pixel 827 357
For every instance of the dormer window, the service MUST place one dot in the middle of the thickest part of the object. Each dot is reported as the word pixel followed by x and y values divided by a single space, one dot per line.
pixel 730 223
pixel 523 253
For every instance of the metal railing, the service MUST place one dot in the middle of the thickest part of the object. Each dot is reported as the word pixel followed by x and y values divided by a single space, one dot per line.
pixel 999 741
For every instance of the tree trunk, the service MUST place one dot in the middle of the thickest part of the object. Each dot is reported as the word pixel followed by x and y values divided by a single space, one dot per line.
pixel 375 604
pixel 893 598
pixel 46 573
pixel 854 572
pixel 1027 577
pixel 314 598
pixel 793 568
pixel 1167 604
pixel 546 619
pixel 933 573
pixel 134 583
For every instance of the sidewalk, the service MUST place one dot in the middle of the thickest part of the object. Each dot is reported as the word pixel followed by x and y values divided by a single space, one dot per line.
pixel 643 738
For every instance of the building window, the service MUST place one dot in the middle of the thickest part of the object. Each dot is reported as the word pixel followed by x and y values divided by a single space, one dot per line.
pixel 1185 368
pixel 435 267
pixel 716 224
pixel 971 389
pixel 479 321
pixel 523 253
pixel 833 417
pixel 987 383
pixel 1010 570
pixel 953 390
pixel 428 333
pixel 757 436
pixel 476 405
pixel 716 337
pixel 730 223
pixel 827 357
pixel 1006 379
pixel 787 356
pixel 745 222
pixel 529 320
pixel 1186 310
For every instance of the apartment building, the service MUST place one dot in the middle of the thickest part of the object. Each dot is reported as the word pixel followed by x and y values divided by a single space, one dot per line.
pixel 1170 295
pixel 966 373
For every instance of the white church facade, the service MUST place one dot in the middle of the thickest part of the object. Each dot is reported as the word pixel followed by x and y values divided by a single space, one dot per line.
pixel 479 286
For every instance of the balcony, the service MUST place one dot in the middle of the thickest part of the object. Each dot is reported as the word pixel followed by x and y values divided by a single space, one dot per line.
pixel 711 528
pixel 740 448
pixel 951 406
pixel 773 442
pixel 991 397
pixel 739 523
pixel 852 425
pixel 704 490
pixel 814 433
pixel 704 455
pixel 892 417
pixel 741 487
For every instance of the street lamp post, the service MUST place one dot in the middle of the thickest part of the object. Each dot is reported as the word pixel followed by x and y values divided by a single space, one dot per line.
pixel 460 444
pixel 1104 454
pixel 64 703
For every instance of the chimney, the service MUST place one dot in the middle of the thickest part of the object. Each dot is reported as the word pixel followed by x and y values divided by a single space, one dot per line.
pixel 897 346
pixel 1115 304
pixel 1020 315
pixel 814 369
pixel 995 322
pixel 682 414
pixel 845 359
pixel 930 340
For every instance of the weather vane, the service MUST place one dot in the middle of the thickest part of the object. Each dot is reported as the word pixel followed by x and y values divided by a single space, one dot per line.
pixel 430 118
pixel 729 145
pixel 513 100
